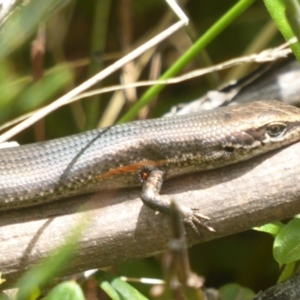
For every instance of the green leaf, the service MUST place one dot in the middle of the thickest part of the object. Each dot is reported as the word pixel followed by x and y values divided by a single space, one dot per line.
pixel 9 86
pixel 271 228
pixel 277 10
pixel 287 271
pixel 286 247
pixel 234 291
pixel 40 275
pixel 293 16
pixel 116 288
pixel 24 21
pixel 68 290
pixel 42 91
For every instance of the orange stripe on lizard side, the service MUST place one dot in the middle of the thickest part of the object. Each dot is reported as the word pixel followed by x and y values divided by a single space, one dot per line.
pixel 133 168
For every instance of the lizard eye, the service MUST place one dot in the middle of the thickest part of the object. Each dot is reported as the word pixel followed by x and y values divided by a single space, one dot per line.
pixel 275 129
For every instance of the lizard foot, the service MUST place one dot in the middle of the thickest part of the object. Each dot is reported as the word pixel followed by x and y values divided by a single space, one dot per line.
pixel 195 220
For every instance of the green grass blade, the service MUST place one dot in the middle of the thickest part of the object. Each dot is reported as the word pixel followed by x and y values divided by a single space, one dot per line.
pixel 189 55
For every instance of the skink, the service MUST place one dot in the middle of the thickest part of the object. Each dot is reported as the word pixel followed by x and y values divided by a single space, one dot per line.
pixel 143 153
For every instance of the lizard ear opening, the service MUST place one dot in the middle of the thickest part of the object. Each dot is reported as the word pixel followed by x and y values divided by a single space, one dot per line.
pixel 275 129
pixel 143 174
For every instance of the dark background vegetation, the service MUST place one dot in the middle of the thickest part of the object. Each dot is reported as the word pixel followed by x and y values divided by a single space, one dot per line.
pixel 244 258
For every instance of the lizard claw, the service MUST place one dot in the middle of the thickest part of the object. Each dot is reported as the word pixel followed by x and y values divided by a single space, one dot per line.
pixel 195 219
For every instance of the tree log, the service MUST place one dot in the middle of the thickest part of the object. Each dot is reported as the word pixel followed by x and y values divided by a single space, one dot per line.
pixel 120 228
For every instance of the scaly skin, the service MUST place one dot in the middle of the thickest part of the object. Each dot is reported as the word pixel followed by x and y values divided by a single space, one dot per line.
pixel 126 155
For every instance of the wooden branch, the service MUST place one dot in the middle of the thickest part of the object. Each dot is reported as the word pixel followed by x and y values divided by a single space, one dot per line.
pixel 121 228
pixel 287 290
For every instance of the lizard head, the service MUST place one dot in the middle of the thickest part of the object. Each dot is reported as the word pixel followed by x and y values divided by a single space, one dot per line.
pixel 262 126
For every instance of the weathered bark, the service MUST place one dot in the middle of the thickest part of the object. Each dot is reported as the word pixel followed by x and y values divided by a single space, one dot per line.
pixel 121 228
